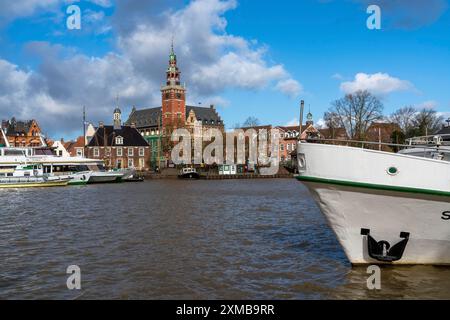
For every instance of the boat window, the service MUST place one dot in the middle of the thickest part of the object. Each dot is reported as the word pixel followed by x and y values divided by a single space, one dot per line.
pixel 14 153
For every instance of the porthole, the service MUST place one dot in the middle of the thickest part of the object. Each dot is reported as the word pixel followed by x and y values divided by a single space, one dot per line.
pixel 392 171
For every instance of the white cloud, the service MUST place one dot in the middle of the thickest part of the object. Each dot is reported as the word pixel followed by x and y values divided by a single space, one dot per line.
pixel 337 76
pixel 378 83
pixel 24 8
pixel 102 3
pixel 290 87
pixel 211 61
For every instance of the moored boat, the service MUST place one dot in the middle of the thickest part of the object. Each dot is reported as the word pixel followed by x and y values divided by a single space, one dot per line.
pixel 386 208
pixel 28 176
pixel 105 177
pixel 188 173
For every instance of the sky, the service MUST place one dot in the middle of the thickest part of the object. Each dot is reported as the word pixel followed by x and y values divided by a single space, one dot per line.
pixel 247 57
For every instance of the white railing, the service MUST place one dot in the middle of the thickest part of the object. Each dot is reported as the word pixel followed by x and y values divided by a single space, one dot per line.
pixel 436 140
pixel 427 144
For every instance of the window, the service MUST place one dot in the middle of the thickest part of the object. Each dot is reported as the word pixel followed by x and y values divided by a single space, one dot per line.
pixel 130 152
pixel 282 147
pixel 79 152
pixel 141 163
pixel 288 147
pixel 108 151
pixel 141 152
pixel 119 152
pixel 119 140
pixel 130 163
pixel 119 164
pixel 96 152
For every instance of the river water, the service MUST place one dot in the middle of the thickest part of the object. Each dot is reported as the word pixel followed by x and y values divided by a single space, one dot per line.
pixel 170 239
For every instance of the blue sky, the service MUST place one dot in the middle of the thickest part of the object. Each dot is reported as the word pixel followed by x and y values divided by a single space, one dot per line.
pixel 249 58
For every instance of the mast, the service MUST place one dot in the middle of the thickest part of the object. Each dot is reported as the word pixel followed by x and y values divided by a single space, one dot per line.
pixel 84 132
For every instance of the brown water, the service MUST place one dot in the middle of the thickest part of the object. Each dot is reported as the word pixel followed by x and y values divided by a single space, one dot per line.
pixel 236 239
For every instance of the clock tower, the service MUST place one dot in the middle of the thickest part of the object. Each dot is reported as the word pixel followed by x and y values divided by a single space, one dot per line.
pixel 173 97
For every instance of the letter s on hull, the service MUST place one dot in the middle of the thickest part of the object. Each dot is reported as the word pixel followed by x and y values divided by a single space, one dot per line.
pixel 446 215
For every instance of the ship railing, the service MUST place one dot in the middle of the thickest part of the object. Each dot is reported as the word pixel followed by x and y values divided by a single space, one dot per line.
pixel 9 180
pixel 382 146
pixel 440 139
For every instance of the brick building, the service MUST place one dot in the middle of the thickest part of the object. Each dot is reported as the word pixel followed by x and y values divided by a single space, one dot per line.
pixel 22 133
pixel 119 146
pixel 382 132
pixel 76 148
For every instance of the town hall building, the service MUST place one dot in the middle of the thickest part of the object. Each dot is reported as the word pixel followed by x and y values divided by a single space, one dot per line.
pixel 156 123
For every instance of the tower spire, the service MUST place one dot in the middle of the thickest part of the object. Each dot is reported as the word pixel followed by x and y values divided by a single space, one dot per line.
pixel 173 73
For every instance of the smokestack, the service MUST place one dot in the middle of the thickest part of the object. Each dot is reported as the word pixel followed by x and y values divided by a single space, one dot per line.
pixel 302 107
pixel 101 124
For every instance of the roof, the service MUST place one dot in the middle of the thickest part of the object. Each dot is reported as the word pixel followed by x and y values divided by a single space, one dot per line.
pixel 145 117
pixel 267 127
pixel 14 127
pixel 149 117
pixel 105 136
pixel 206 115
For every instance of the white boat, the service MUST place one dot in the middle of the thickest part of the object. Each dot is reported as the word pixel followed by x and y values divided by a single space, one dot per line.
pixel 28 175
pixel 188 173
pixel 385 208
pixel 105 177
pixel 79 170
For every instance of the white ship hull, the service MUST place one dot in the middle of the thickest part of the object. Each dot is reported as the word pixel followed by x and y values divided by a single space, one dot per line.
pixel 105 177
pixel 356 193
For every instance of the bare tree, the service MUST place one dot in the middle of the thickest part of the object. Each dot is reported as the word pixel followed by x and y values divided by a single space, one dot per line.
pixel 332 120
pixel 251 122
pixel 426 122
pixel 356 112
pixel 404 117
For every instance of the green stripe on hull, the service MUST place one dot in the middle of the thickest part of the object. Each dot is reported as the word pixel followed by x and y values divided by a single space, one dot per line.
pixel 78 183
pixel 373 186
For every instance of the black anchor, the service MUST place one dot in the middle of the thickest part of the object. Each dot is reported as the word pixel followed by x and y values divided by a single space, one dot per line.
pixel 382 250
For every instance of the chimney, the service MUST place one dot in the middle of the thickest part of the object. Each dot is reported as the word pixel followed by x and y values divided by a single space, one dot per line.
pixel 101 124
pixel 133 125
pixel 211 106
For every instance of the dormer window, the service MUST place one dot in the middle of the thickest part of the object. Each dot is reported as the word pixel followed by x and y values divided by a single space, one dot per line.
pixel 119 141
